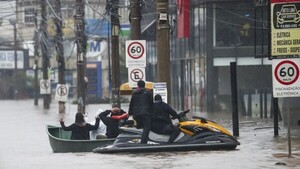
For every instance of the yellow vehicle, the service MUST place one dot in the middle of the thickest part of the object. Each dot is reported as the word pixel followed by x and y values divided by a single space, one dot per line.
pixel 127 89
pixel 196 134
pixel 199 124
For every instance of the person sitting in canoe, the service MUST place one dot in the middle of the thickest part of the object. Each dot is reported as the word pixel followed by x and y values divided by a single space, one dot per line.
pixel 80 129
pixel 100 133
pixel 111 118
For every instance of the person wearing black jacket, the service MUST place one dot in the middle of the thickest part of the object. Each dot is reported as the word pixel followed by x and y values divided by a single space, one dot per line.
pixel 140 108
pixel 111 119
pixel 80 129
pixel 160 119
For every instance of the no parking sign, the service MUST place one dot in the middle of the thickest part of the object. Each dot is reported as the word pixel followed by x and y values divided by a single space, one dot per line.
pixel 136 74
pixel 286 81
pixel 62 92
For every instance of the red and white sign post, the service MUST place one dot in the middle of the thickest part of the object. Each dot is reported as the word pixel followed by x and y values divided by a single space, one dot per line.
pixel 285 41
pixel 135 61
pixel 136 74
pixel 286 81
pixel 135 53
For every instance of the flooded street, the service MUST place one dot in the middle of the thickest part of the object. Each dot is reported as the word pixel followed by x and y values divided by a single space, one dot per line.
pixel 25 144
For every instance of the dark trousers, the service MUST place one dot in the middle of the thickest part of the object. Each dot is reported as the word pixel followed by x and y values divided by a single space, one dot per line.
pixel 143 121
pixel 161 127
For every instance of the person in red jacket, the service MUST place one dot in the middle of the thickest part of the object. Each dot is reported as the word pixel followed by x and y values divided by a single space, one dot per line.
pixel 111 118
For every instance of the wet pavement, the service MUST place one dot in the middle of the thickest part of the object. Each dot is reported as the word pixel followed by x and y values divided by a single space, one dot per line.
pixel 25 144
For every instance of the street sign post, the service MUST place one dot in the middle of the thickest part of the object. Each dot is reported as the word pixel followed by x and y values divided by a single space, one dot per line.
pixel 285 41
pixel 135 74
pixel 62 92
pixel 286 81
pixel 45 86
pixel 161 89
pixel 135 53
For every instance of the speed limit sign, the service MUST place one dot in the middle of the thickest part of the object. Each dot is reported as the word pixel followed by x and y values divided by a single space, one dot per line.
pixel 286 81
pixel 135 53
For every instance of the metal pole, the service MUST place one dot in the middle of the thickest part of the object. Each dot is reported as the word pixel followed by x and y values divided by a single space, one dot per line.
pixel 235 114
pixel 289 132
pixel 275 108
pixel 163 44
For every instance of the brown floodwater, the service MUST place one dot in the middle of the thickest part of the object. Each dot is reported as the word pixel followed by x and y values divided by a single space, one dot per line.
pixel 24 144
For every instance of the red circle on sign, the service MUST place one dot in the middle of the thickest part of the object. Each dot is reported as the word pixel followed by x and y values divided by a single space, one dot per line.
pixel 278 78
pixel 136 80
pixel 139 56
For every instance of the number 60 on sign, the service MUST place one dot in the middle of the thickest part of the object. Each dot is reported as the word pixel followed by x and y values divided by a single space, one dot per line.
pixel 286 77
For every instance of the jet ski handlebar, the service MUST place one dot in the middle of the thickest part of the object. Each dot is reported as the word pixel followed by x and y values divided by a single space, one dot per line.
pixel 182 115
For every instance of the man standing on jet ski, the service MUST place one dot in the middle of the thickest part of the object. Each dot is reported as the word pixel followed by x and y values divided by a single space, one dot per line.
pixel 160 119
pixel 140 108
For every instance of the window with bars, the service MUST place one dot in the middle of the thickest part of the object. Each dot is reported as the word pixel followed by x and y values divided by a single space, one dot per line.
pixel 29 15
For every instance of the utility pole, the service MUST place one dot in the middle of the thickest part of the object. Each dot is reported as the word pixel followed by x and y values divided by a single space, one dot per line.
pixel 15 72
pixel 81 52
pixel 45 53
pixel 135 19
pixel 60 51
pixel 36 57
pixel 115 29
pixel 163 44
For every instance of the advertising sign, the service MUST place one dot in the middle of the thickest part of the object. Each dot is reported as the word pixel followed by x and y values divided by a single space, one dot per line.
pixel 285 32
pixel 95 48
pixel 161 89
pixel 7 59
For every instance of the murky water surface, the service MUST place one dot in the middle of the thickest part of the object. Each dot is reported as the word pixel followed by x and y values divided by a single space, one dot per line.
pixel 24 144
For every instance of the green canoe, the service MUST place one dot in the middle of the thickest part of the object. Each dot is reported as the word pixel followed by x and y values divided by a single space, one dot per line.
pixel 60 141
